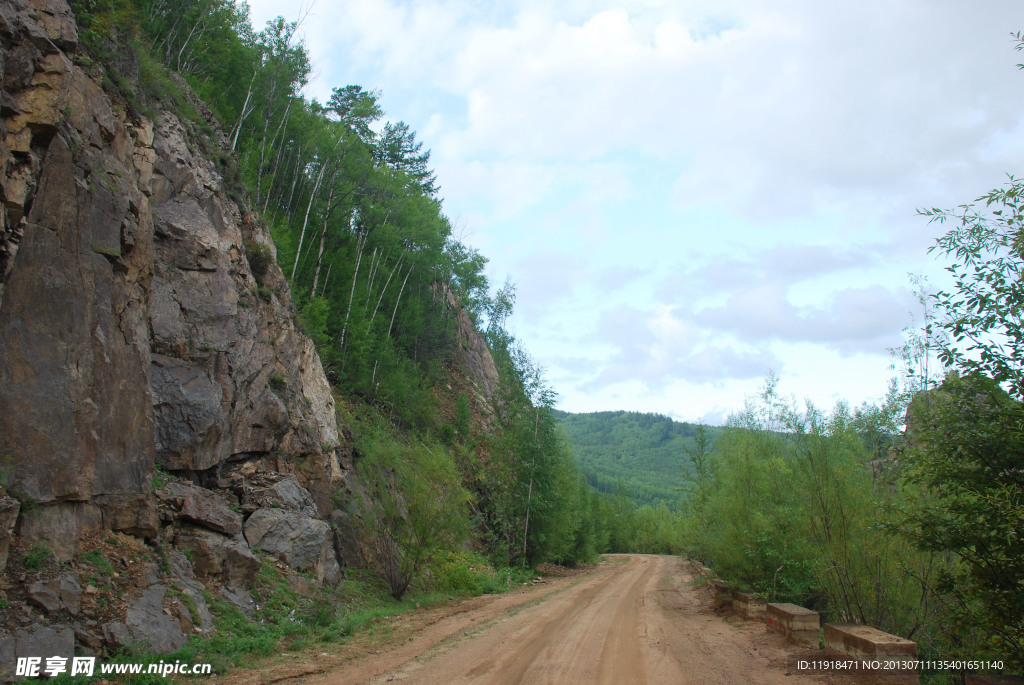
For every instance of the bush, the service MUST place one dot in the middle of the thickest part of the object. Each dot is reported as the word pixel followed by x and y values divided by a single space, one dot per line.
pixel 260 259
pixel 417 509
pixel 38 556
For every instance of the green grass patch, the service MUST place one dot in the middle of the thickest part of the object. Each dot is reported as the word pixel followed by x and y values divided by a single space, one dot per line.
pixel 96 559
pixel 37 557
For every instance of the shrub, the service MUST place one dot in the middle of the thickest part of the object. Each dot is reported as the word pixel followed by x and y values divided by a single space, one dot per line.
pixel 38 556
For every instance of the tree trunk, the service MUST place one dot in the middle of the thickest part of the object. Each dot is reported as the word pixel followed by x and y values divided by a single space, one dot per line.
pixel 323 238
pixel 277 160
pixel 360 243
pixel 398 299
pixel 385 288
pixel 302 234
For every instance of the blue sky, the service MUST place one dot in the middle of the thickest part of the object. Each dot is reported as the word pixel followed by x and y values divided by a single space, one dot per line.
pixel 688 194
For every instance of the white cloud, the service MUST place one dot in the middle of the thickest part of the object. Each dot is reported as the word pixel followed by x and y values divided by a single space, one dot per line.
pixel 656 347
pixel 853 320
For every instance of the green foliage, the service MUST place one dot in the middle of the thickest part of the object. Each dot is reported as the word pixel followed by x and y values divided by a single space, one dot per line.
pixel 39 556
pixel 96 559
pixel 533 505
pixel 984 312
pixel 965 453
pixel 646 452
pixel 464 573
pixel 159 479
pixel 314 317
pixel 259 258
pixel 277 383
pixel 417 509
pixel 790 503
pixel 964 461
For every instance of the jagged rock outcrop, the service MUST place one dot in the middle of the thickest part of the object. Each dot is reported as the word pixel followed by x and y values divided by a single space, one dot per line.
pixel 144 324
pixel 473 355
pixel 302 542
pixel 134 331
pixel 215 554
pixel 161 415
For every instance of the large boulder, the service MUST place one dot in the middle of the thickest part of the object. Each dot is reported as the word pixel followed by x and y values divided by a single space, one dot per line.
pixel 302 542
pixel 147 624
pixel 216 554
pixel 62 592
pixel 202 507
pixel 286 493
pixel 37 640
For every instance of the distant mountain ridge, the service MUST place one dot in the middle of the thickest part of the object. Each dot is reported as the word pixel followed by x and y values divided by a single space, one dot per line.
pixel 646 453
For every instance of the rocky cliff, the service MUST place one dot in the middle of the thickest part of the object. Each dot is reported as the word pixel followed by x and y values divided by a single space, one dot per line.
pixel 153 383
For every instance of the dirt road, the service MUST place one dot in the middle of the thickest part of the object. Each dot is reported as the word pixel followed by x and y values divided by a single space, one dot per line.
pixel 636 619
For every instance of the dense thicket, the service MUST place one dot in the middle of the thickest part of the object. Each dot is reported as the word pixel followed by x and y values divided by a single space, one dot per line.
pixel 789 502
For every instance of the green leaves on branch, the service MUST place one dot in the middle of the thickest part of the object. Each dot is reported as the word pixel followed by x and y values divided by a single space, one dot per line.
pixel 965 463
pixel 983 315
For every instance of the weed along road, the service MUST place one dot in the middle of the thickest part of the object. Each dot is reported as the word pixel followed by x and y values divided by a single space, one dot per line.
pixel 635 619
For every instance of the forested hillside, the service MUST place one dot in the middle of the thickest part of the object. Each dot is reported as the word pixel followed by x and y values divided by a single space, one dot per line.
pixel 645 455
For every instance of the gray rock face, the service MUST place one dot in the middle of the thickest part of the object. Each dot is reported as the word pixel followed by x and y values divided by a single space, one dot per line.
pixel 58 525
pixel 53 595
pixel 202 507
pixel 346 543
pixel 35 641
pixel 285 494
pixel 181 571
pixel 77 264
pixel 147 625
pixel 231 374
pixel 215 554
pixel 302 542
pixel 473 353
pixel 129 329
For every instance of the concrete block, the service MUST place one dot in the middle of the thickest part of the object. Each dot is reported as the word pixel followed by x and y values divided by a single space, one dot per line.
pixel 864 641
pixel 748 605
pixel 798 624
